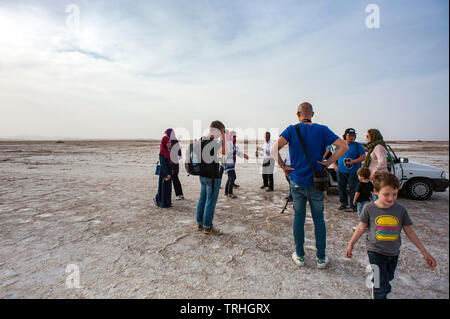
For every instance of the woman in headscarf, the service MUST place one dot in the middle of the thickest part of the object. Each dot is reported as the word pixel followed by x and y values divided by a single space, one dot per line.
pixel 164 196
pixel 233 151
pixel 376 159
pixel 175 149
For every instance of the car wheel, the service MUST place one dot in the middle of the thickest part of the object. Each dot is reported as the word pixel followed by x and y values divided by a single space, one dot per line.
pixel 419 189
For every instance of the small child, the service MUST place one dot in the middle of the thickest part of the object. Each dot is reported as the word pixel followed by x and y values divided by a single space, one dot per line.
pixel 385 220
pixel 364 189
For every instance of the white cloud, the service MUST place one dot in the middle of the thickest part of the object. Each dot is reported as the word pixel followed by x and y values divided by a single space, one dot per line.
pixel 133 71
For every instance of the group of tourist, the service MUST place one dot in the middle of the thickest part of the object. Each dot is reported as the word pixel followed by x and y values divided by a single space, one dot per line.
pixel 312 148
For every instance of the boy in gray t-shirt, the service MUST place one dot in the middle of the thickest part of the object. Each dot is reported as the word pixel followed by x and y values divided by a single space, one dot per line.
pixel 385 220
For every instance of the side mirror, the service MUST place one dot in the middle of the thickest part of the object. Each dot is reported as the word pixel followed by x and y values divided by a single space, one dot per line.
pixel 403 160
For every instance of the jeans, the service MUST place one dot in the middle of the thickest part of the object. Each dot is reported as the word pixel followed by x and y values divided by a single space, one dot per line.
pixel 230 182
pixel 386 269
pixel 360 206
pixel 207 202
pixel 344 179
pixel 301 194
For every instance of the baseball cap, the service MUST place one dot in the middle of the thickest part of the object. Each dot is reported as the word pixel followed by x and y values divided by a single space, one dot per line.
pixel 350 131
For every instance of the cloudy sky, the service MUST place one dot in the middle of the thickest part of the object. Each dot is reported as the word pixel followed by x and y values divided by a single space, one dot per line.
pixel 131 69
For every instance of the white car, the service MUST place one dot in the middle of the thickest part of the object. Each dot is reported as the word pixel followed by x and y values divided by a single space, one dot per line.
pixel 417 180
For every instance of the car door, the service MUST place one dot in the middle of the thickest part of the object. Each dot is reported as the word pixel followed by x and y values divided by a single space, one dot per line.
pixel 394 165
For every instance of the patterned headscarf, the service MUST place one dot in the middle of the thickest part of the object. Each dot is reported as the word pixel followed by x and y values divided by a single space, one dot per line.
pixel 375 139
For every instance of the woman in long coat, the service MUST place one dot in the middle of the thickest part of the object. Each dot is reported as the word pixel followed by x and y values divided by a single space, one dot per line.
pixel 175 150
pixel 163 198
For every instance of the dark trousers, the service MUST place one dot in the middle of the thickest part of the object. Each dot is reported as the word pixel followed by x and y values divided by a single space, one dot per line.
pixel 230 182
pixel 176 180
pixel 164 195
pixel 344 179
pixel 384 270
pixel 268 180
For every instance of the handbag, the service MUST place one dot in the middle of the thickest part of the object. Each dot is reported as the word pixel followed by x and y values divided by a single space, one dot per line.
pixel 266 162
pixel 320 177
pixel 158 168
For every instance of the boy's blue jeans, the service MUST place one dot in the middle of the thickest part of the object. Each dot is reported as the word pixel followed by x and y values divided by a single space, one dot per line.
pixel 360 206
pixel 302 194
pixel 386 269
pixel 207 202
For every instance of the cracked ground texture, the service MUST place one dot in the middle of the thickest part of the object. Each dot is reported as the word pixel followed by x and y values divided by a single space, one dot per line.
pixel 90 204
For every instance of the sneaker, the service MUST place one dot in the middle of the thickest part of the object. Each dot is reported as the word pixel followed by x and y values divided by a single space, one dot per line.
pixel 212 231
pixel 180 197
pixel 199 227
pixel 262 187
pixel 322 262
pixel 342 207
pixel 300 261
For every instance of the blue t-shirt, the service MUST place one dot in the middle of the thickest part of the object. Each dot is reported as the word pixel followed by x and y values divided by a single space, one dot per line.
pixel 316 137
pixel 355 150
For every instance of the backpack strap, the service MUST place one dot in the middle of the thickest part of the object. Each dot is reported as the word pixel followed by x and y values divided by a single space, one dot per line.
pixel 302 142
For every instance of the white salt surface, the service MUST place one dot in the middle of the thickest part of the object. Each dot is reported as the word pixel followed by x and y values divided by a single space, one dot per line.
pixel 90 204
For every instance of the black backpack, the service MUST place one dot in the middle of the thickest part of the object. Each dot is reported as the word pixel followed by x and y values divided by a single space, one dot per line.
pixel 198 162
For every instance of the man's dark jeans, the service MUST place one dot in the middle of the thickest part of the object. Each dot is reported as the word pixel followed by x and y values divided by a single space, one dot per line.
pixel 344 179
pixel 385 270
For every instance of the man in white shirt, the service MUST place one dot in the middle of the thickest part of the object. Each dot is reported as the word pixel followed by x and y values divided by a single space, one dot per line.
pixel 268 163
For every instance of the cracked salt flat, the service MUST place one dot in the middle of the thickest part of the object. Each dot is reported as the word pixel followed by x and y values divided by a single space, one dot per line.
pixel 102 214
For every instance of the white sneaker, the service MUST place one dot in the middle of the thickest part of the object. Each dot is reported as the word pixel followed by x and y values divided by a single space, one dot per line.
pixel 300 261
pixel 322 263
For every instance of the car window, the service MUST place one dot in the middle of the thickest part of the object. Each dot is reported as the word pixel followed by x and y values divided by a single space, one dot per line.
pixel 392 154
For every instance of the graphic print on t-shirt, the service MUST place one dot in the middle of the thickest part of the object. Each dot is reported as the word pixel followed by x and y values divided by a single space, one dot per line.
pixel 386 228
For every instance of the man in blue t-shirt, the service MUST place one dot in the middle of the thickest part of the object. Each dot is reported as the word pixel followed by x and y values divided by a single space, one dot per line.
pixel 300 174
pixel 347 168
